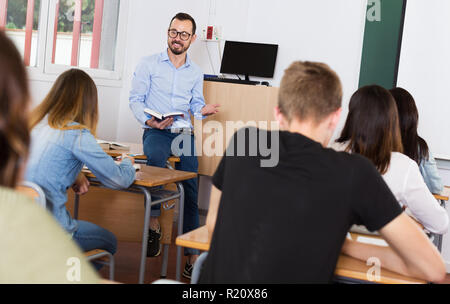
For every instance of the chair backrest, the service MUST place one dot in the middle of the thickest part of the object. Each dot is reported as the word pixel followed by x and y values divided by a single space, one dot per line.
pixel 33 191
pixel 198 265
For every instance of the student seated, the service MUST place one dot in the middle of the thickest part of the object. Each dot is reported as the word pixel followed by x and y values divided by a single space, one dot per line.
pixel 414 146
pixel 288 223
pixel 372 130
pixel 34 248
pixel 63 130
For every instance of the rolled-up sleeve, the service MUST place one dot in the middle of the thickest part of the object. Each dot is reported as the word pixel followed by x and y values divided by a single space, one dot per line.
pixel 198 101
pixel 140 85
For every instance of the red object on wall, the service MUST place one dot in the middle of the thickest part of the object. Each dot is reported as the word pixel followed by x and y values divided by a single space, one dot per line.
pixel 3 13
pixel 28 32
pixel 209 33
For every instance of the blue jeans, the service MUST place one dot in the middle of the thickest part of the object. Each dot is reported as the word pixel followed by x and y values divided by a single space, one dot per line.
pixel 90 236
pixel 157 149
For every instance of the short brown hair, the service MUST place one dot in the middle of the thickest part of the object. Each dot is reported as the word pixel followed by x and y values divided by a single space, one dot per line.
pixel 73 98
pixel 372 127
pixel 309 90
pixel 182 17
pixel 14 99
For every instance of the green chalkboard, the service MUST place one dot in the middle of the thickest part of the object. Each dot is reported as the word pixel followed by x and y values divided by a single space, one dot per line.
pixel 382 42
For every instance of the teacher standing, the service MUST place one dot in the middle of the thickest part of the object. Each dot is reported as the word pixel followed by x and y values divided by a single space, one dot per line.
pixel 168 82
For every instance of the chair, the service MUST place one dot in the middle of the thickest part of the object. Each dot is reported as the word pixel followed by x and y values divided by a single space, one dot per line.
pixel 104 257
pixel 34 191
pixel 198 265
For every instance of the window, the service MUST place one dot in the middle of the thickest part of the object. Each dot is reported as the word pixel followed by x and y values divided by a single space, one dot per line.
pixel 55 35
pixel 20 19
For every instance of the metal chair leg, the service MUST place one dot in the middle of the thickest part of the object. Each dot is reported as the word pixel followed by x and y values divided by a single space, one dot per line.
pixel 165 261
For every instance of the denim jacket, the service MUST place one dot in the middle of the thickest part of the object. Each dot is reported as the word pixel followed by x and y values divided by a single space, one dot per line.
pixel 430 174
pixel 57 157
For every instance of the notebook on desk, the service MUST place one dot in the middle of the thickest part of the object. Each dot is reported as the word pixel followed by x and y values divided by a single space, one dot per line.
pixel 111 145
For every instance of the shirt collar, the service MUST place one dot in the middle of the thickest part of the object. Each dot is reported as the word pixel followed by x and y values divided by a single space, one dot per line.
pixel 165 57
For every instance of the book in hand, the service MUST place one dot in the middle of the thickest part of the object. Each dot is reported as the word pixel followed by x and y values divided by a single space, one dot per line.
pixel 110 145
pixel 159 117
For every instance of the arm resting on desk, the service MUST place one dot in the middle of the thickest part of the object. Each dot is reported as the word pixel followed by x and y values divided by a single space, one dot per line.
pixel 409 253
pixel 213 209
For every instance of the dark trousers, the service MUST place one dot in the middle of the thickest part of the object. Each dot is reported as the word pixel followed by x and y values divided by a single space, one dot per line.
pixel 157 149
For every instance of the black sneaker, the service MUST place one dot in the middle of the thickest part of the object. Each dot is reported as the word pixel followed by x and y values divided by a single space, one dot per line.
pixel 153 245
pixel 187 272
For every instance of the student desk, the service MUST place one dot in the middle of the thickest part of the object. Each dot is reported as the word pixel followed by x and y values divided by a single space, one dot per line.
pixel 348 269
pixel 136 149
pixel 197 239
pixel 146 180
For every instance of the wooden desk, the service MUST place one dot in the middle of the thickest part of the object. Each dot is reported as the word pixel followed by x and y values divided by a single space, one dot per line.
pixel 351 270
pixel 138 150
pixel 444 195
pixel 238 103
pixel 146 180
pixel 197 239
pixel 348 269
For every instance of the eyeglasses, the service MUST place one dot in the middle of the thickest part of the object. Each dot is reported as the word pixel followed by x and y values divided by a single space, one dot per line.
pixel 183 35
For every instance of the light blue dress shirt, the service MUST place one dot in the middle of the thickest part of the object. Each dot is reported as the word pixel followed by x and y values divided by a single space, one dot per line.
pixel 158 85
pixel 57 157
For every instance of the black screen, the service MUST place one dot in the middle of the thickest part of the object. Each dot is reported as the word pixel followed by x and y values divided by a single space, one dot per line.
pixel 244 58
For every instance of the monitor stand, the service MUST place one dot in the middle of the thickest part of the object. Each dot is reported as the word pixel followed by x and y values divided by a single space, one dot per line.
pixel 238 81
pixel 248 81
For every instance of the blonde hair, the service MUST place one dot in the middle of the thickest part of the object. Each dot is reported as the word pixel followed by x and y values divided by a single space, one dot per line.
pixel 73 98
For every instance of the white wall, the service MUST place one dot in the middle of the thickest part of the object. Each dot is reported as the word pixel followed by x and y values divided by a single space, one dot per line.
pixel 326 30
pixel 424 71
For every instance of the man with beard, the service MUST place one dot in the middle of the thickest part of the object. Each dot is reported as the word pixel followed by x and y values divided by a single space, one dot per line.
pixel 171 82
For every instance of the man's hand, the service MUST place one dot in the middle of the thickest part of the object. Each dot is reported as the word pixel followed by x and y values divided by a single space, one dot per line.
pixel 81 185
pixel 153 123
pixel 210 109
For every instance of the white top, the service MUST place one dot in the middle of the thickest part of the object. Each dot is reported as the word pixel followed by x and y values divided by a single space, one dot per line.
pixel 406 183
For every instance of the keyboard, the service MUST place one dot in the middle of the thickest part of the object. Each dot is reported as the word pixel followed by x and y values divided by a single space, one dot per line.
pixel 229 80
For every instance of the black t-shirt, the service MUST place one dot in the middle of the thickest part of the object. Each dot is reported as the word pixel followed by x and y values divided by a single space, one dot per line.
pixel 287 224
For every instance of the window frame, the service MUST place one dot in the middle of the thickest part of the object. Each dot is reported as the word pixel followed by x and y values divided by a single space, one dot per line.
pixel 45 70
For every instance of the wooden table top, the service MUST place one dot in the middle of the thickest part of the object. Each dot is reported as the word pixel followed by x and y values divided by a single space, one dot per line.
pixel 197 239
pixel 136 149
pixel 347 267
pixel 149 176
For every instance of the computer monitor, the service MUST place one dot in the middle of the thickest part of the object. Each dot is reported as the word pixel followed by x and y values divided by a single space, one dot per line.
pixel 249 59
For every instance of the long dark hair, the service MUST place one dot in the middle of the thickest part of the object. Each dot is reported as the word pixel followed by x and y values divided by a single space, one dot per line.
pixel 372 127
pixel 414 146
pixel 14 99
